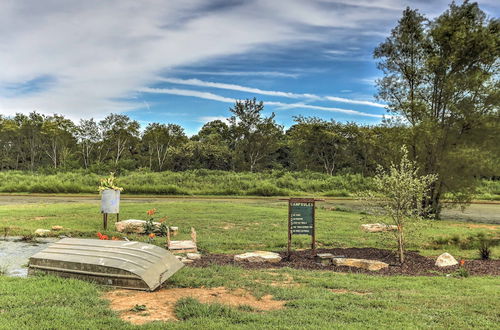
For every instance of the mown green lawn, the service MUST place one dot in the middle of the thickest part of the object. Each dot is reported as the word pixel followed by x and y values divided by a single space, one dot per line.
pixel 228 226
pixel 386 302
pixel 236 225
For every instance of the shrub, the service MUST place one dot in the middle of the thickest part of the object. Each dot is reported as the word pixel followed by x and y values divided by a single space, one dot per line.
pixel 484 249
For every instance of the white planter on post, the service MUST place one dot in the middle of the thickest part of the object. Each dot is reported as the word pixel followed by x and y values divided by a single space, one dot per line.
pixel 110 203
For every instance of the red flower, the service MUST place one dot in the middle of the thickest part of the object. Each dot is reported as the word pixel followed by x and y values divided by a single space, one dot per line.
pixel 152 236
pixel 462 262
pixel 99 235
pixel 151 212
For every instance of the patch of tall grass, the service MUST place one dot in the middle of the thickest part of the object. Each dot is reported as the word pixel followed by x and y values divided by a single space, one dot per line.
pixel 203 182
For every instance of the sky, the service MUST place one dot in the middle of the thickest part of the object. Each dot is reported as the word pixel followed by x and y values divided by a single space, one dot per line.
pixel 186 62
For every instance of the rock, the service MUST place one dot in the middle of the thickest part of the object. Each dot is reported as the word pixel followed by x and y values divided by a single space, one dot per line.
pixel 324 258
pixel 42 232
pixel 133 226
pixel 446 260
pixel 360 263
pixel 57 228
pixel 378 227
pixel 258 256
pixel 193 256
pixel 186 261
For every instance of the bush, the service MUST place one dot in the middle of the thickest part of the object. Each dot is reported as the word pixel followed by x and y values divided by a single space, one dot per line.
pixel 484 249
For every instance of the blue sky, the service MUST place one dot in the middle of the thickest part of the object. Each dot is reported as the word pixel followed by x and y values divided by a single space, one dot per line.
pixel 186 62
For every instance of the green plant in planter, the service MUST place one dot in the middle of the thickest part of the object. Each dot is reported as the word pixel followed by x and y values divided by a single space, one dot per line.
pixel 109 183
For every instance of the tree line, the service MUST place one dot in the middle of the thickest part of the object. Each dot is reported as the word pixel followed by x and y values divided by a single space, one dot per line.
pixel 247 141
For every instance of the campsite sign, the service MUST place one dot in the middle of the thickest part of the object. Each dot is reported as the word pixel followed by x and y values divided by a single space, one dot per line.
pixel 301 219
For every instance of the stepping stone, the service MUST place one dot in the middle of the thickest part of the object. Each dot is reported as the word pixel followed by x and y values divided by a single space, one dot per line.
pixel 258 256
pixel 446 260
pixel 360 263
pixel 324 258
pixel 57 228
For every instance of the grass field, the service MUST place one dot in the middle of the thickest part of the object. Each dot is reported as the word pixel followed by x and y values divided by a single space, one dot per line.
pixel 236 225
pixel 312 299
pixel 207 182
pixel 318 300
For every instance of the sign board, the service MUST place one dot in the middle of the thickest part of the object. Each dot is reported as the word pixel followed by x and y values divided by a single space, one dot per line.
pixel 301 217
pixel 301 220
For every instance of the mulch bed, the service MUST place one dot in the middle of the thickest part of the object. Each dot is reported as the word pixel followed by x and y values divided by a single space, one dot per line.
pixel 415 264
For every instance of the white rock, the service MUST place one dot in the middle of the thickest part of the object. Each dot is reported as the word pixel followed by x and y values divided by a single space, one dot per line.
pixel 133 226
pixel 378 227
pixel 42 232
pixel 258 256
pixel 360 263
pixel 193 256
pixel 446 260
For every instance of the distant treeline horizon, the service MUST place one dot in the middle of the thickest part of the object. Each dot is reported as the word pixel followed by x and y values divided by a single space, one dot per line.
pixel 247 142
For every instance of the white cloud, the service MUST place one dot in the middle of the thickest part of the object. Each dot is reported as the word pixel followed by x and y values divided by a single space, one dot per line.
pixel 210 84
pixel 285 106
pixel 201 83
pixel 206 119
pixel 280 105
pixel 187 92
pixel 246 73
pixel 100 52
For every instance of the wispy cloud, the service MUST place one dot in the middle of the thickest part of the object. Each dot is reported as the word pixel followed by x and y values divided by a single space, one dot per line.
pixel 201 83
pixel 280 105
pixel 187 92
pixel 350 101
pixel 247 73
pixel 206 119
pixel 209 84
pixel 321 108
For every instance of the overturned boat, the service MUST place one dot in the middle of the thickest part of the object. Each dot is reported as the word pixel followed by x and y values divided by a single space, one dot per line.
pixel 131 265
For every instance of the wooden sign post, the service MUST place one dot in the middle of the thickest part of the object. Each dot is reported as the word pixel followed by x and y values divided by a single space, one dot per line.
pixel 301 220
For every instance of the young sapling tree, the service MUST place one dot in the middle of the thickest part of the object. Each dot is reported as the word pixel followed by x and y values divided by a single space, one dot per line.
pixel 399 192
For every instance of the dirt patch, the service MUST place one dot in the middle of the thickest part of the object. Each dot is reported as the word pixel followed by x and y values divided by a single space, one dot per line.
pixel 415 264
pixel 160 305
pixel 40 218
pixel 344 291
pixel 228 226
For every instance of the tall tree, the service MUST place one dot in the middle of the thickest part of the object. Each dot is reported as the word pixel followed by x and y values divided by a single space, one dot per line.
pixel 319 144
pixel 88 136
pixel 58 136
pixel 159 139
pixel 255 138
pixel 120 133
pixel 442 78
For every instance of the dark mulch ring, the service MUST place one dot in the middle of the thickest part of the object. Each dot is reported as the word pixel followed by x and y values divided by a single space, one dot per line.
pixel 415 264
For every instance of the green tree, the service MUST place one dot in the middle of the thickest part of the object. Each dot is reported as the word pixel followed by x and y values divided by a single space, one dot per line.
pixel 58 136
pixel 319 144
pixel 402 189
pixel 159 139
pixel 441 77
pixel 120 134
pixel 89 139
pixel 255 138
